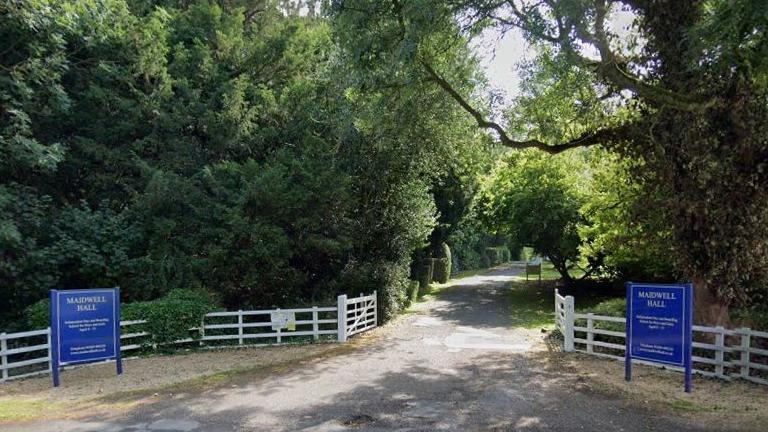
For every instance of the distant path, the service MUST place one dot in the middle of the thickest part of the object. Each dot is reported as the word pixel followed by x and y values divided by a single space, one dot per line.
pixel 456 365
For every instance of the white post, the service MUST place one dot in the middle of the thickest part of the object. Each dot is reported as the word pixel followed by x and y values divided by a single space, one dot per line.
pixel 719 351
pixel 568 333
pixel 202 331
pixel 375 309
pixel 745 336
pixel 341 314
pixel 279 338
pixel 50 354
pixel 315 326
pixel 3 358
pixel 590 334
pixel 557 312
pixel 240 326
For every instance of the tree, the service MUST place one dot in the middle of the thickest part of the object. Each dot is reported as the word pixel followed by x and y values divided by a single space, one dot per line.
pixel 685 89
pixel 536 201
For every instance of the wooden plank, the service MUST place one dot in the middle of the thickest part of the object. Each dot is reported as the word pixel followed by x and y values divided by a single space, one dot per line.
pixel 133 335
pixel 599 331
pixel 600 344
pixel 25 363
pixel 130 323
pixel 600 318
pixel 9 336
pixel 25 349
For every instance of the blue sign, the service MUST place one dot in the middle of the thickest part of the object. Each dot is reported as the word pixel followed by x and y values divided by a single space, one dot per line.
pixel 85 327
pixel 659 326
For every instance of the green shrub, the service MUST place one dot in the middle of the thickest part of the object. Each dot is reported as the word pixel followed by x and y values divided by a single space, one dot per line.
pixel 485 261
pixel 413 291
pixel 614 307
pixel 441 270
pixel 389 279
pixel 497 255
pixel 169 318
pixel 426 272
pixel 37 315
pixel 446 253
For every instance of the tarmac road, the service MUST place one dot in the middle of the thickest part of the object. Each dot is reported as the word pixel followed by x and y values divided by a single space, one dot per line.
pixel 456 364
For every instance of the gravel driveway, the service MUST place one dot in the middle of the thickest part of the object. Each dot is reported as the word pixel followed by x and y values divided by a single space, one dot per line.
pixel 455 364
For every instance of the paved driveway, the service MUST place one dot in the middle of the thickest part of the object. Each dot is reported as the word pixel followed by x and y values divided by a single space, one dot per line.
pixel 455 365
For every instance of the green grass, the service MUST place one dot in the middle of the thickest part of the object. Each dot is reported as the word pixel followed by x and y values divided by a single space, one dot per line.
pixel 531 304
pixel 548 272
pixel 22 409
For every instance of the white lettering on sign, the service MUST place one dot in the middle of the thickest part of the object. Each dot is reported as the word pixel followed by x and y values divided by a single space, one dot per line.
pixel 656 299
pixel 86 303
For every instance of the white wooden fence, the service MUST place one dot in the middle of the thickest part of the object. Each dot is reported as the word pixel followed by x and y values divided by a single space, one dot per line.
pixel 28 353
pixel 718 352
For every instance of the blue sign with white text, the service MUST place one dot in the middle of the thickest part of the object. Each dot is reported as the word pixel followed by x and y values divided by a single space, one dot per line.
pixel 659 324
pixel 85 327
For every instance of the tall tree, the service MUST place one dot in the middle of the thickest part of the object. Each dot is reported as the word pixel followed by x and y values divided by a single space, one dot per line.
pixel 685 89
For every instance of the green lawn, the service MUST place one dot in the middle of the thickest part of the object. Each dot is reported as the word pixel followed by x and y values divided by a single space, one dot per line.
pixel 532 302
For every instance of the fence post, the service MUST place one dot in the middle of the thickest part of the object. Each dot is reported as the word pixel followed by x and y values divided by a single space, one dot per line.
pixel 3 358
pixel 375 309
pixel 279 337
pixel 745 336
pixel 315 326
pixel 341 314
pixel 590 334
pixel 239 326
pixel 202 331
pixel 568 333
pixel 720 351
pixel 50 354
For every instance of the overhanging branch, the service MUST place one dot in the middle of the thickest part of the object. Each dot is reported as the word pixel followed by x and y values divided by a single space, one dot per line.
pixel 597 137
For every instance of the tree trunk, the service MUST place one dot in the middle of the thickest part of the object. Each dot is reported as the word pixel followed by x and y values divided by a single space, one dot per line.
pixel 562 267
pixel 708 308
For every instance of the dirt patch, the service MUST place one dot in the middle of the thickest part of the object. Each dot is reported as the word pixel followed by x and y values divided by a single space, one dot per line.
pixel 735 405
pixel 93 387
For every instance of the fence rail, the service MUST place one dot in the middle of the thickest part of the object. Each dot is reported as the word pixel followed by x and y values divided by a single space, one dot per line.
pixel 18 357
pixel 717 352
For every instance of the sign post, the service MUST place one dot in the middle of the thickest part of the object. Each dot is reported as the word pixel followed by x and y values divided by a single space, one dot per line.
pixel 659 326
pixel 85 327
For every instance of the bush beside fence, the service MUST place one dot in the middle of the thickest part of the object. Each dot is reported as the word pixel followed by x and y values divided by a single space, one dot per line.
pixel 26 354
pixel 717 352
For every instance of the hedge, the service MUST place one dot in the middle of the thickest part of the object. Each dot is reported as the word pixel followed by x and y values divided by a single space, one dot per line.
pixel 442 265
pixel 169 318
pixel 426 272
pixel 497 255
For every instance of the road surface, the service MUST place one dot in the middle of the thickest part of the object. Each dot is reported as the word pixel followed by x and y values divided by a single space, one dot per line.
pixel 455 365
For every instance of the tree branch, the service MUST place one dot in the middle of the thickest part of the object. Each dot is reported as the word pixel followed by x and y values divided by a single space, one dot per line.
pixel 597 137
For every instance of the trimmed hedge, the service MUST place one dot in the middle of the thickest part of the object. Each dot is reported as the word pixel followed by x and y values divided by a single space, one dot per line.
pixel 497 255
pixel 442 266
pixel 413 291
pixel 442 270
pixel 426 272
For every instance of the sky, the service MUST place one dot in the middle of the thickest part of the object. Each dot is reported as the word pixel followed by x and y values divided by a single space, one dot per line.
pixel 500 53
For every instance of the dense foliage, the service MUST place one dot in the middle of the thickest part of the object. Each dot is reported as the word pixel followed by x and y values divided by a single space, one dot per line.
pixel 224 146
pixel 536 199
pixel 676 87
